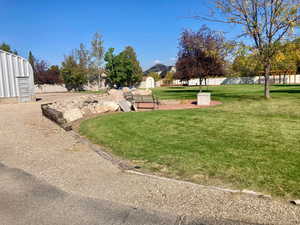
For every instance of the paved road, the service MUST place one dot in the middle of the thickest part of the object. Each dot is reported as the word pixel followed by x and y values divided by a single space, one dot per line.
pixel 85 183
pixel 29 201
pixel 25 200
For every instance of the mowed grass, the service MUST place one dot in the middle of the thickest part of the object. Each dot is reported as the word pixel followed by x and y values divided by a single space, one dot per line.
pixel 247 142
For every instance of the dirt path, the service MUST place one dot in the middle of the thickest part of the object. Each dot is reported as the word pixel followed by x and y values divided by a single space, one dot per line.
pixel 34 144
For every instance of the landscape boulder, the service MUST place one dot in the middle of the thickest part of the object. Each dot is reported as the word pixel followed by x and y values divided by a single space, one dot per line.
pixel 66 111
pixel 75 108
pixel 73 114
pixel 106 106
pixel 116 95
pixel 125 105
pixel 126 89
pixel 141 92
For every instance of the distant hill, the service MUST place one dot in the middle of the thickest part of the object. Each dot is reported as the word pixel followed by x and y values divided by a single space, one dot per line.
pixel 161 69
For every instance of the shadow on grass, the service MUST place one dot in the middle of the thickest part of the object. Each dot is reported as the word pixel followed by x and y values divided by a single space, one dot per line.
pixel 225 97
pixel 182 91
pixel 177 87
pixel 286 85
pixel 216 94
pixel 290 91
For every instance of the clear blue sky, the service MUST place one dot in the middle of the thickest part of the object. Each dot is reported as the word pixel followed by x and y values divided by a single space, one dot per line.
pixel 51 29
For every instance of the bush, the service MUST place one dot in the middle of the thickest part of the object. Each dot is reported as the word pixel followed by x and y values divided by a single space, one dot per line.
pixel 74 79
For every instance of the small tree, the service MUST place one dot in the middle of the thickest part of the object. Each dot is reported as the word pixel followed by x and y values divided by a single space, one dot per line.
pixel 169 78
pixel 96 57
pixel 46 75
pixel 201 54
pixel 155 76
pixel 82 56
pixel 53 75
pixel 113 78
pixel 7 48
pixel 266 22
pixel 84 64
pixel 90 59
pixel 41 68
pixel 73 74
pixel 246 62
pixel 32 62
pixel 134 70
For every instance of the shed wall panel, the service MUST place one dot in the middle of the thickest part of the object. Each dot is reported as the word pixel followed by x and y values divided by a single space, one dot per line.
pixel 13 67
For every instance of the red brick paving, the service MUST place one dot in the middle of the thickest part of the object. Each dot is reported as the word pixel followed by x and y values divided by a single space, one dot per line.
pixel 186 105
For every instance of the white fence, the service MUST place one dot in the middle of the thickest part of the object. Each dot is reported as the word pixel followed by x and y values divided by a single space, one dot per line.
pixel 283 79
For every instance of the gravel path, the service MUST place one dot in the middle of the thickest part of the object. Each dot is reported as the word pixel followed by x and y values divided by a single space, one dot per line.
pixel 36 145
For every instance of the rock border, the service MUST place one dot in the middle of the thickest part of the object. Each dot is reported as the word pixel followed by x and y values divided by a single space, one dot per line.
pixel 55 116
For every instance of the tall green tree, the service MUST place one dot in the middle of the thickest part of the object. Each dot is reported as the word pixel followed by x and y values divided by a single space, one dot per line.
pixel 265 22
pixel 134 70
pixel 32 62
pixel 111 69
pixel 123 69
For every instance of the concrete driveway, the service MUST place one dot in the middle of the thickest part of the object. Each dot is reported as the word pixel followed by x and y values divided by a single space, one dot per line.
pixel 60 179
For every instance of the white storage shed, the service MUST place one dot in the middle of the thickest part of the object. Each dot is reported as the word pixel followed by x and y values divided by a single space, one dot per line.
pixel 16 78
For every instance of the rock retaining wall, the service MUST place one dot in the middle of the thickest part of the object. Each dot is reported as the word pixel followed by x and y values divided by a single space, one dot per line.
pixel 66 111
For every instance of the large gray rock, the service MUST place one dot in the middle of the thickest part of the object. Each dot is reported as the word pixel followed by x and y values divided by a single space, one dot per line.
pixel 75 108
pixel 106 106
pixel 125 105
pixel 71 115
pixel 126 89
pixel 142 92
pixel 296 202
pixel 111 105
pixel 116 95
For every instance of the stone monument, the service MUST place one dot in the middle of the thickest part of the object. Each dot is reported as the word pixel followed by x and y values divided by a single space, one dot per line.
pixel 203 98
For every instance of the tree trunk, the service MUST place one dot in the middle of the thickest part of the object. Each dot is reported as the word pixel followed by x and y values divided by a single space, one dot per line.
pixel 200 79
pixel 267 81
pixel 99 81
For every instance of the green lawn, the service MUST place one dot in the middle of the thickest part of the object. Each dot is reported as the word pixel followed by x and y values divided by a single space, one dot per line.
pixel 247 142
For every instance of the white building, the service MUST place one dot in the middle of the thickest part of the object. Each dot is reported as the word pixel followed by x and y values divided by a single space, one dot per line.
pixel 16 78
pixel 147 82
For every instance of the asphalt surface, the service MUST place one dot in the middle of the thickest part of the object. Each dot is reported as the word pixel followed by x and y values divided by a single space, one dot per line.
pixel 26 200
